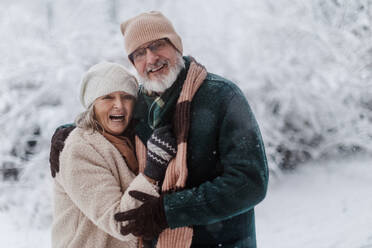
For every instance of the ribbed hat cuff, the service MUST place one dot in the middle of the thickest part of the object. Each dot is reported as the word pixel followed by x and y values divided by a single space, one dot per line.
pixel 110 86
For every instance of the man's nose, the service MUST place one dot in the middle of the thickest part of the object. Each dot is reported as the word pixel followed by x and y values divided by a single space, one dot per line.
pixel 151 57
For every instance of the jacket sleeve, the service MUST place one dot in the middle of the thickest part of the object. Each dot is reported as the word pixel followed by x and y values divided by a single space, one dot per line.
pixel 244 179
pixel 88 181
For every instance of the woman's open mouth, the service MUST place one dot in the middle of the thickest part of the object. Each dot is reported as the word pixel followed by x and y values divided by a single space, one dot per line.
pixel 117 118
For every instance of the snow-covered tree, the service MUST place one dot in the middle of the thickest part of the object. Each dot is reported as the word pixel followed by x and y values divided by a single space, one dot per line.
pixel 305 67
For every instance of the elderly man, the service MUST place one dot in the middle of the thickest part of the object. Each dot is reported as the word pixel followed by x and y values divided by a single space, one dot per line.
pixel 220 171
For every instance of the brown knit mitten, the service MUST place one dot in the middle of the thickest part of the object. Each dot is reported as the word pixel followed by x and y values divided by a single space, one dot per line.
pixel 57 144
pixel 146 221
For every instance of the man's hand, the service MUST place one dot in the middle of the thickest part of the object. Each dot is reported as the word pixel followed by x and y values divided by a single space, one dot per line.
pixel 57 144
pixel 146 221
pixel 161 148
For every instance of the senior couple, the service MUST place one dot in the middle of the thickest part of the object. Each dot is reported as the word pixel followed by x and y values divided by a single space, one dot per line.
pixel 176 162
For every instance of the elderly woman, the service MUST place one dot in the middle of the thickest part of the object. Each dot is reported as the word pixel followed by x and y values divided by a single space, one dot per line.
pixel 99 166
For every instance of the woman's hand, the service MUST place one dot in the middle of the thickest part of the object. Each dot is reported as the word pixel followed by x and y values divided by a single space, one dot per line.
pixel 146 221
pixel 161 148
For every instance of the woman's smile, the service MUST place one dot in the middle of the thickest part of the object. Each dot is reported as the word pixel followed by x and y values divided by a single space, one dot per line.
pixel 114 111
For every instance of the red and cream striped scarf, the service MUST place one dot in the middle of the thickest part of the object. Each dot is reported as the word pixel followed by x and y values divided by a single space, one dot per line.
pixel 176 174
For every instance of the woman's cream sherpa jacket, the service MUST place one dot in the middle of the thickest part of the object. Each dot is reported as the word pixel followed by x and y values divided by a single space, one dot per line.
pixel 92 186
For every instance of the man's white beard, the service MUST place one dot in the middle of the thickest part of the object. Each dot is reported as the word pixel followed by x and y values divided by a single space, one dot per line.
pixel 162 83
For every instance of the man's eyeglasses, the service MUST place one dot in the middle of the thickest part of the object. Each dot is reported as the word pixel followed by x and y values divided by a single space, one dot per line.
pixel 155 46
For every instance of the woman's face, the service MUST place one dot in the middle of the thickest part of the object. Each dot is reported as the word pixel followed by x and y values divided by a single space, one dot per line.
pixel 114 111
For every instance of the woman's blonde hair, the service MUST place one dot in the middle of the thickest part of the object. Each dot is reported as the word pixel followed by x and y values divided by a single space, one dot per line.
pixel 87 120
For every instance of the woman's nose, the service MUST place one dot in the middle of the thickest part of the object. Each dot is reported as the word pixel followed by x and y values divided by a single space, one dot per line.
pixel 118 103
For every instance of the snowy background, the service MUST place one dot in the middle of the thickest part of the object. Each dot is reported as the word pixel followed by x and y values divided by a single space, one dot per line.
pixel 305 67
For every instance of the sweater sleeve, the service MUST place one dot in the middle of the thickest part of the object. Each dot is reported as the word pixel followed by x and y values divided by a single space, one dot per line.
pixel 241 185
pixel 88 181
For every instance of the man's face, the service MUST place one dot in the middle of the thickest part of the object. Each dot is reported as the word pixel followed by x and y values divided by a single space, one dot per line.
pixel 154 60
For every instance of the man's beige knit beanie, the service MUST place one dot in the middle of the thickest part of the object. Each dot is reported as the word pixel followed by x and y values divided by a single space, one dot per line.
pixel 105 78
pixel 147 27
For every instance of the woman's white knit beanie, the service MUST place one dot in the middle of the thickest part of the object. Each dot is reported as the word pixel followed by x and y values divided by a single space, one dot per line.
pixel 105 78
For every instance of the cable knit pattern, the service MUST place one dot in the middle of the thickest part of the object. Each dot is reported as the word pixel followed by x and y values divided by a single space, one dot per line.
pixel 91 187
